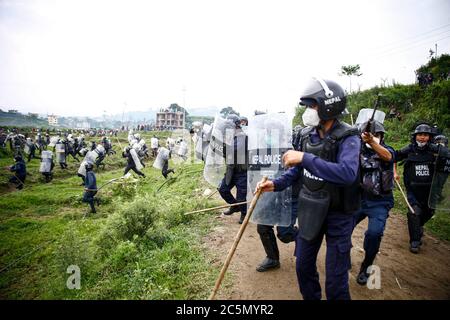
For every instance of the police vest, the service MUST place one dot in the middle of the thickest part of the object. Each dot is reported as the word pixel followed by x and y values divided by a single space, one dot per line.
pixel 419 168
pixel 377 176
pixel 343 199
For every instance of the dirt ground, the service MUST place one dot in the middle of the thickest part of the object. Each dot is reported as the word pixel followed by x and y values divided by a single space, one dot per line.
pixel 404 275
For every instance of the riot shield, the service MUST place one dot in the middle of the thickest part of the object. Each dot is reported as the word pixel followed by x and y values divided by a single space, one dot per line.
pixel 60 153
pixel 215 165
pixel 136 160
pixel 439 198
pixel 163 154
pixel 100 149
pixel 53 141
pixel 182 147
pixel 27 148
pixel 46 162
pixel 90 156
pixel 365 114
pixel 269 137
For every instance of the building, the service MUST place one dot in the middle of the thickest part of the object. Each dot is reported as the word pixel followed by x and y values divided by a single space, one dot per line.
pixel 167 119
pixel 52 120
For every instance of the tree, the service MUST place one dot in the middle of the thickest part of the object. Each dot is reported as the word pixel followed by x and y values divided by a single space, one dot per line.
pixel 228 110
pixel 350 70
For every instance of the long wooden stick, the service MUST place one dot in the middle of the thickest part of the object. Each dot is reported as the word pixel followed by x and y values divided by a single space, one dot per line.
pixel 404 196
pixel 120 145
pixel 219 207
pixel 236 242
pixel 212 194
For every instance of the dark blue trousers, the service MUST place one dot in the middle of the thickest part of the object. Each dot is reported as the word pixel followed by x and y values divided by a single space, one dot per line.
pixel 338 231
pixel 377 211
pixel 240 181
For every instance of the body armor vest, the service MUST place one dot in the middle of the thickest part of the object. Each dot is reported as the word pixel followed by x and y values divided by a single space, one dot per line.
pixel 343 198
pixel 377 177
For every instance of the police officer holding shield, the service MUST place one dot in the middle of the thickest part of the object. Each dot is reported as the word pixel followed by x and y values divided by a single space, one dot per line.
pixel 236 172
pixel 328 167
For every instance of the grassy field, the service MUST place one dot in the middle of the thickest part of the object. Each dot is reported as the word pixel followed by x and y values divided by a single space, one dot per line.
pixel 139 245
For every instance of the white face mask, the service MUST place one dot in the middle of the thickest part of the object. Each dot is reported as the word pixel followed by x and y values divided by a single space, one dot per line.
pixel 376 139
pixel 421 144
pixel 310 117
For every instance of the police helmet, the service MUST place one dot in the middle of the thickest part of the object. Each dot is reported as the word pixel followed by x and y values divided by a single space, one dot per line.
pixel 441 139
pixel 235 119
pixel 423 128
pixel 327 95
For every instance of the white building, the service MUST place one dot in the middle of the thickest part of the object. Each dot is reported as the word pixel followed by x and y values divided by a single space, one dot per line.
pixel 52 120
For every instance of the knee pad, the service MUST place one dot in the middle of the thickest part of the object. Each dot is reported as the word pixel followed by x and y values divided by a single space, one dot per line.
pixel 287 235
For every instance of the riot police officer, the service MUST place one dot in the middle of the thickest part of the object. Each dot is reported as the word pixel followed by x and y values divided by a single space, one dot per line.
pixel 20 172
pixel 377 182
pixel 236 172
pixel 90 186
pixel 131 165
pixel 419 159
pixel 328 166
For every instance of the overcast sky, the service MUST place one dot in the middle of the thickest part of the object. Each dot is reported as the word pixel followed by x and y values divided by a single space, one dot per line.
pixel 86 57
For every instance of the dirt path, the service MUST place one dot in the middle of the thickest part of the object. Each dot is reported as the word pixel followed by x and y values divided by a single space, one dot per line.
pixel 403 275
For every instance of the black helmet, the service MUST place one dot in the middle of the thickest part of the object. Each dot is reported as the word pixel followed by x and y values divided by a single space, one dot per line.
pixel 328 95
pixel 441 139
pixel 422 128
pixel 235 119
pixel 18 158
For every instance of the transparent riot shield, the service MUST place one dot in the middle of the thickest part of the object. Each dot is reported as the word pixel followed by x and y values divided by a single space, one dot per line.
pixel 136 160
pixel 182 146
pixel 100 149
pixel 269 137
pixel 46 162
pixel 439 198
pixel 215 165
pixel 60 153
pixel 27 149
pixel 90 156
pixel 365 114
pixel 53 141
pixel 163 154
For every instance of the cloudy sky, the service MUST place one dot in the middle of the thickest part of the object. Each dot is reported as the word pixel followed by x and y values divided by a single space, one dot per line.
pixel 87 57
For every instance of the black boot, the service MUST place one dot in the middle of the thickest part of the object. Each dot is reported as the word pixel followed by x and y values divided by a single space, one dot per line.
pixel 241 219
pixel 272 261
pixel 231 210
pixel 363 276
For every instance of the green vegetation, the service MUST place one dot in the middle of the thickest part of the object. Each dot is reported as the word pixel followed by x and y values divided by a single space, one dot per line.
pixel 139 245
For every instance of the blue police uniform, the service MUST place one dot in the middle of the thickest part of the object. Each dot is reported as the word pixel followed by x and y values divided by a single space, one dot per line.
pixel 91 184
pixel 339 174
pixel 20 171
pixel 377 200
